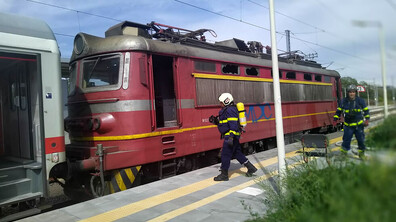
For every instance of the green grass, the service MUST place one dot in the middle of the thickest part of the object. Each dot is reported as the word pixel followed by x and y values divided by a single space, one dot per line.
pixel 351 192
pixel 347 190
pixel 383 136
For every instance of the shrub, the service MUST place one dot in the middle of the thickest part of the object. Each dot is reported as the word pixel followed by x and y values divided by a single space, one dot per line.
pixel 383 136
pixel 347 192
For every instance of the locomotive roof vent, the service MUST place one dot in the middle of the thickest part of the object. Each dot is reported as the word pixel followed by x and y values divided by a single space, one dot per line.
pixel 235 44
pixel 129 28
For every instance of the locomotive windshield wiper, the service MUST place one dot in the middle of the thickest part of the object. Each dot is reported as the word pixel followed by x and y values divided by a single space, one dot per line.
pixel 93 68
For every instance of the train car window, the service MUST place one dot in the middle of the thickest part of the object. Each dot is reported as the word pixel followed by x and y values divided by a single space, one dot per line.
pixel 101 71
pixel 72 79
pixel 291 75
pixel 280 74
pixel 230 69
pixel 255 92
pixel 205 66
pixel 318 78
pixel 327 78
pixel 308 76
pixel 251 71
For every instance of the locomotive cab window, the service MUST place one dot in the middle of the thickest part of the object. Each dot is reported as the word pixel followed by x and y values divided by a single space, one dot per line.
pixel 251 71
pixel 101 73
pixel 318 78
pixel 230 69
pixel 205 66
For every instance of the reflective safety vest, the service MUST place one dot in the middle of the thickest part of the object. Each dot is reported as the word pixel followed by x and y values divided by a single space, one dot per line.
pixel 228 121
pixel 354 111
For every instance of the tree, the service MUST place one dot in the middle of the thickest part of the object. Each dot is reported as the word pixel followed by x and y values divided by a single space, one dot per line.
pixel 345 82
pixel 370 89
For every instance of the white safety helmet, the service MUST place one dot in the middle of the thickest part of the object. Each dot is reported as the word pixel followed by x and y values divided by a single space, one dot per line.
pixel 226 99
pixel 351 88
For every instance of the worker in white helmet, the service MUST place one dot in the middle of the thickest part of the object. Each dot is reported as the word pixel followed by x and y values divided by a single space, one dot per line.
pixel 228 125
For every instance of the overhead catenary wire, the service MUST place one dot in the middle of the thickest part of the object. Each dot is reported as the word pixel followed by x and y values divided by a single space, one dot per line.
pixel 392 4
pixel 261 27
pixel 305 23
pixel 61 34
pixel 292 18
pixel 337 36
pixel 74 10
pixel 305 43
pixel 226 16
pixel 209 11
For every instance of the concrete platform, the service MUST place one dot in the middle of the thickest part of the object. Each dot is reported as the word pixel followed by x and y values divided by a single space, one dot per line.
pixel 192 196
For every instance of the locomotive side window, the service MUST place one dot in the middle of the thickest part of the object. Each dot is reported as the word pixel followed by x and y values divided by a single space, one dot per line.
pixel 280 74
pixel 291 75
pixel 251 71
pixel 327 78
pixel 205 66
pixel 318 78
pixel 230 69
pixel 101 71
pixel 307 76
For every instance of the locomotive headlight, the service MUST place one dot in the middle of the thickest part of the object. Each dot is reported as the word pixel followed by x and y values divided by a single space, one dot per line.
pixel 79 44
pixel 95 124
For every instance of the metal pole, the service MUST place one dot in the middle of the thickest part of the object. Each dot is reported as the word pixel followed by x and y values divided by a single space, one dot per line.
pixel 383 68
pixel 393 91
pixel 280 140
pixel 368 95
pixel 288 41
pixel 375 94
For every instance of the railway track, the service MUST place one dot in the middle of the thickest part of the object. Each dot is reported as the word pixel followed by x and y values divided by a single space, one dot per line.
pixel 377 113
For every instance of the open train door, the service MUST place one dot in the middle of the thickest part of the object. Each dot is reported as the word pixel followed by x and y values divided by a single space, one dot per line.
pixel 15 103
pixel 20 161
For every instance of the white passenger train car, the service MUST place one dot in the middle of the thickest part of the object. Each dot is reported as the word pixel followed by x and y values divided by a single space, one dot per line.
pixel 31 124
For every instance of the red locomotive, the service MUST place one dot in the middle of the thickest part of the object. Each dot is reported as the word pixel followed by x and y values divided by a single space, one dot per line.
pixel 140 98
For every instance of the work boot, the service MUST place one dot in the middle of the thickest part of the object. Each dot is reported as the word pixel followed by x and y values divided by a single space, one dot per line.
pixel 343 155
pixel 251 168
pixel 344 152
pixel 361 154
pixel 223 176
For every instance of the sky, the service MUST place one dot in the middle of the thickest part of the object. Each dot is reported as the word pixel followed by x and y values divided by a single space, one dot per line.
pixel 318 27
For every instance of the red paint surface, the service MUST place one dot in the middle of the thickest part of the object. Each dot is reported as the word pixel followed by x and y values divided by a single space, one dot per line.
pixel 54 145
